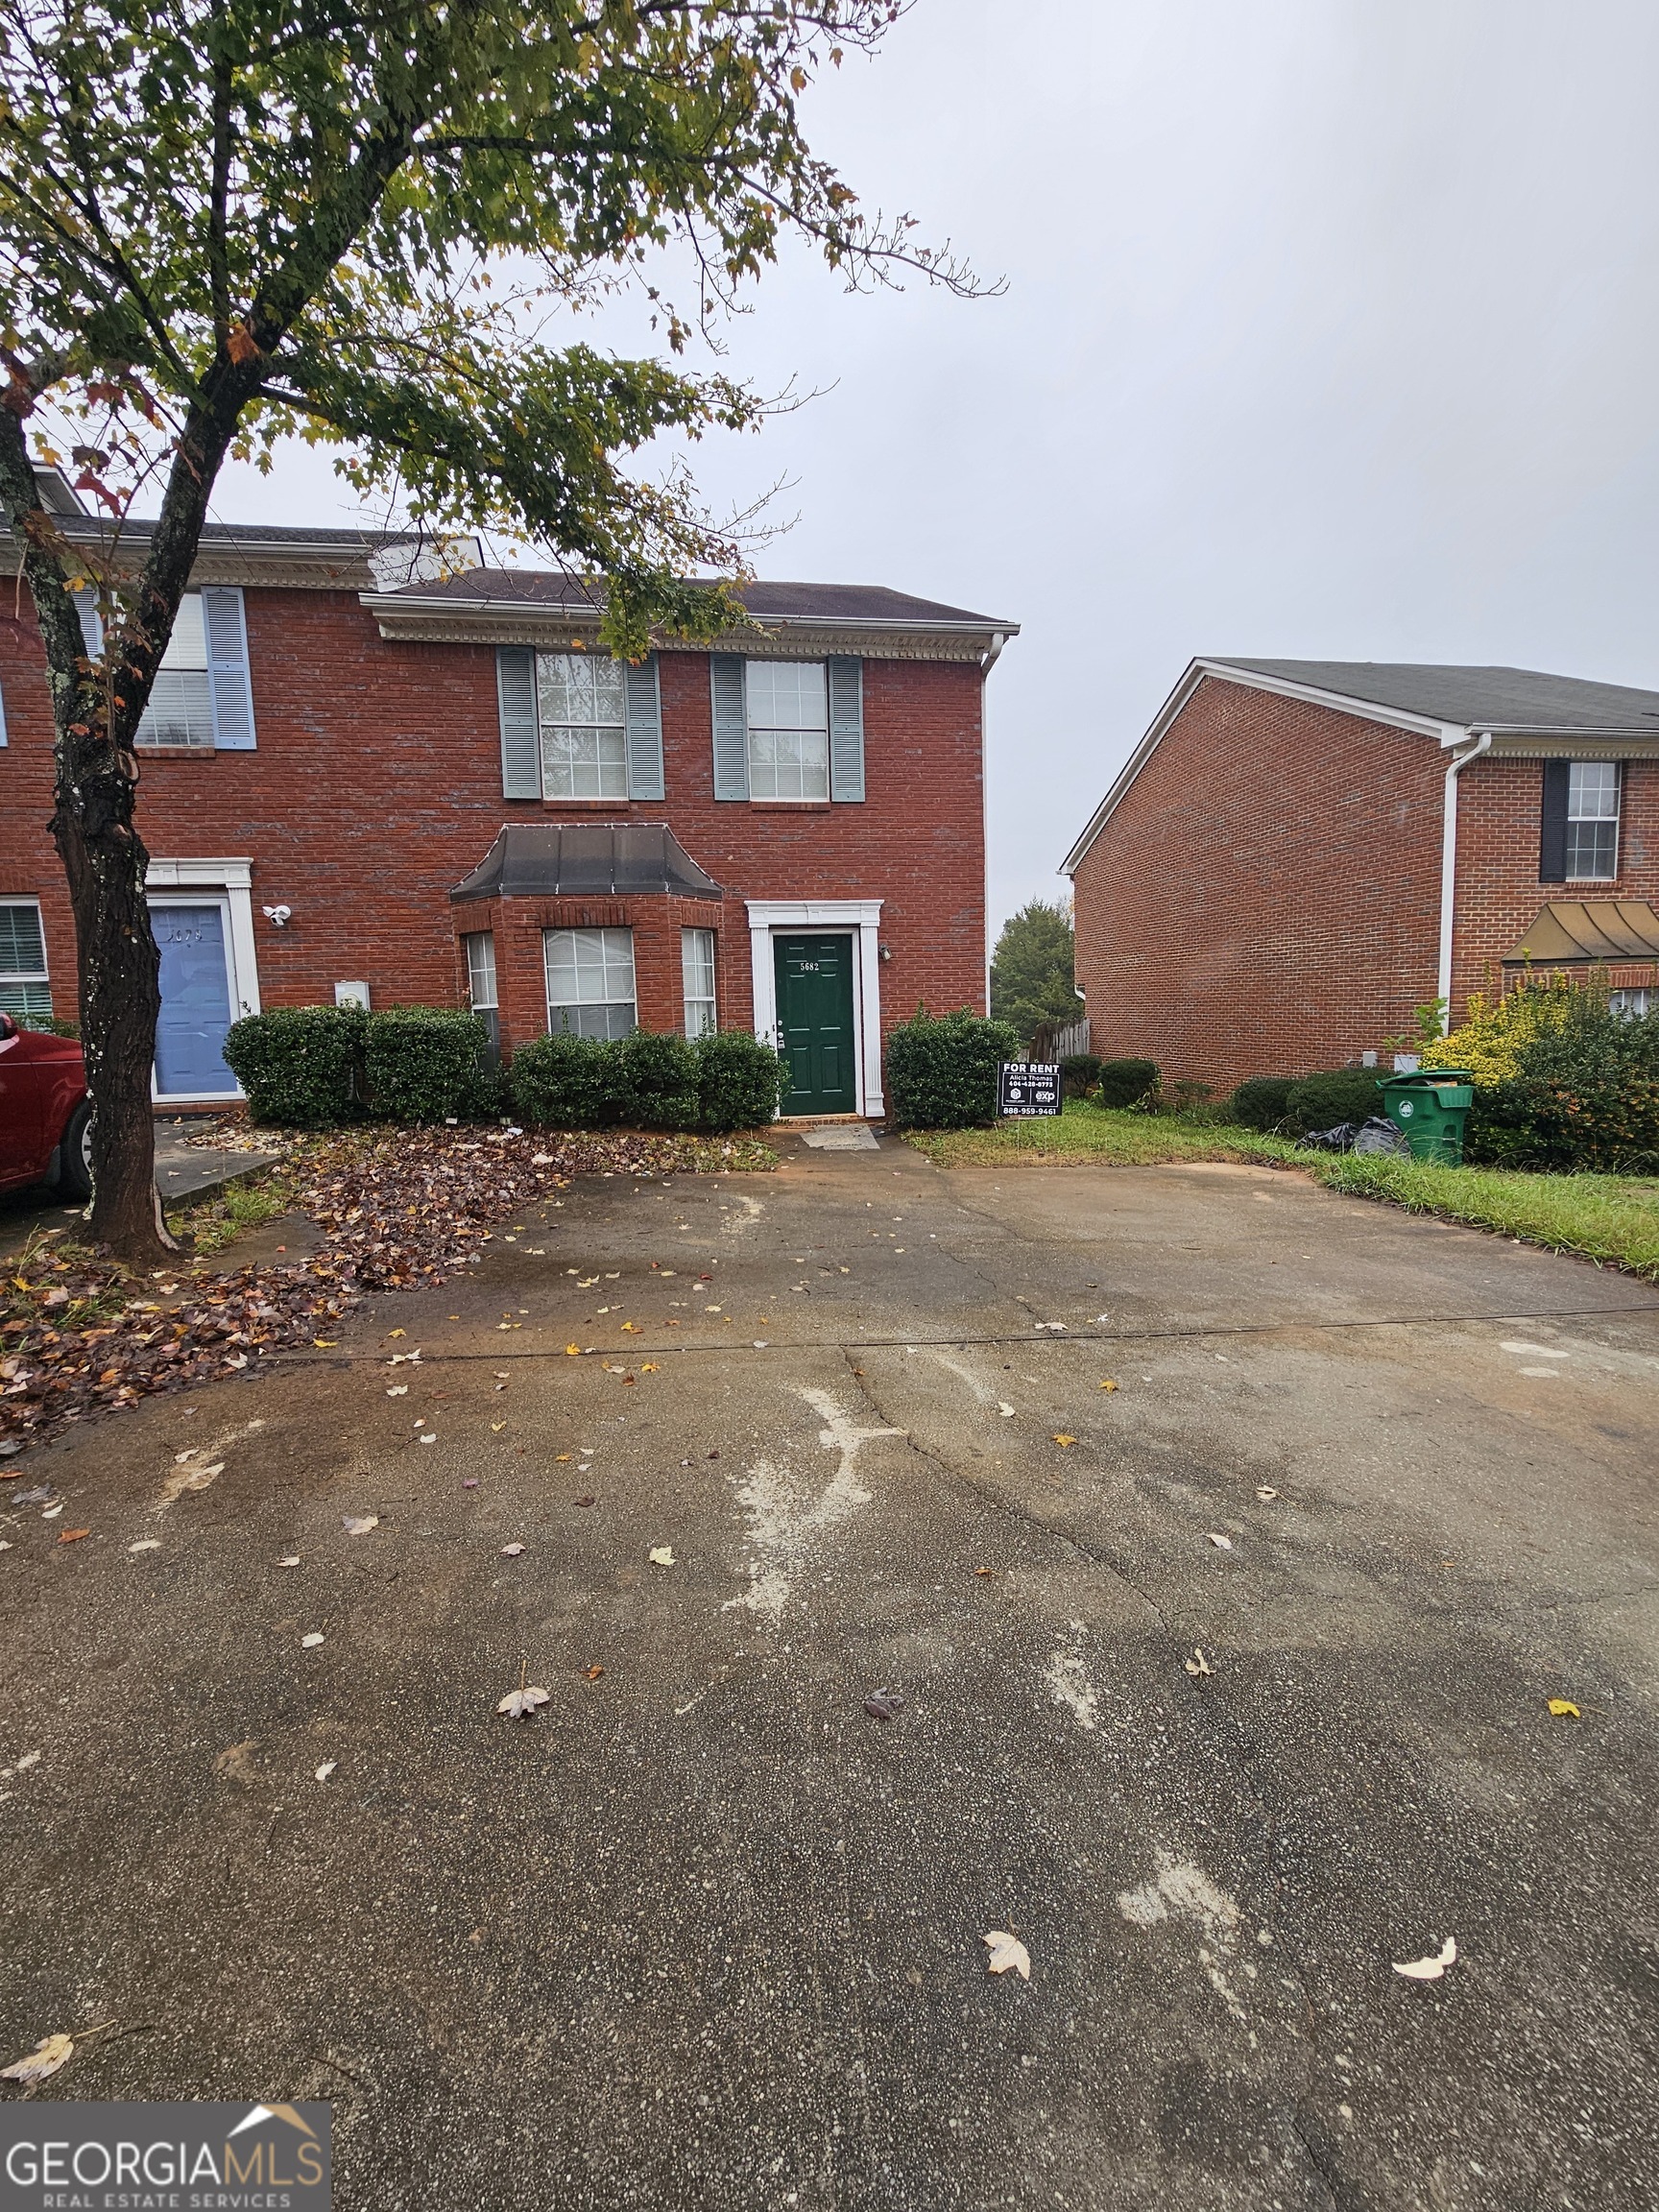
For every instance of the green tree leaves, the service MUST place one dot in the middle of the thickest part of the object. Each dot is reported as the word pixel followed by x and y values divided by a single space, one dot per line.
pixel 1032 969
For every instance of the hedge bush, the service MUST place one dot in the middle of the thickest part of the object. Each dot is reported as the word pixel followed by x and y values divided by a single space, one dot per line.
pixel 651 1080
pixel 941 1072
pixel 561 1082
pixel 1322 1101
pixel 1126 1082
pixel 299 1065
pixel 739 1081
pixel 1261 1101
pixel 427 1064
pixel 1585 1097
pixel 1080 1073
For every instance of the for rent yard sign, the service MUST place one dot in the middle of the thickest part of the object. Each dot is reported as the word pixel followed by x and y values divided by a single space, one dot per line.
pixel 1029 1088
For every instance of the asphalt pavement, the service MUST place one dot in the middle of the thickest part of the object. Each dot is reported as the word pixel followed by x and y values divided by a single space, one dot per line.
pixel 1218 1542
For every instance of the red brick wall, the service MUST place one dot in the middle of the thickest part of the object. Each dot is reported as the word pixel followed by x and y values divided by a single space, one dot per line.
pixel 1265 898
pixel 377 786
pixel 1499 808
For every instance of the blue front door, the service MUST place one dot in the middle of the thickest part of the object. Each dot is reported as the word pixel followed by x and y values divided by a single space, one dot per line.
pixel 195 1004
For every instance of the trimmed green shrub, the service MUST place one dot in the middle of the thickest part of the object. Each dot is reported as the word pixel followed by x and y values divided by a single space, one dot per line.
pixel 426 1064
pixel 1261 1101
pixel 1126 1082
pixel 942 1073
pixel 739 1080
pixel 298 1064
pixel 561 1082
pixel 1586 1096
pixel 1080 1073
pixel 653 1077
pixel 1322 1101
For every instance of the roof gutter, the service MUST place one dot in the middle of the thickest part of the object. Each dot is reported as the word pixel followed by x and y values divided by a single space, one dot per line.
pixel 1454 767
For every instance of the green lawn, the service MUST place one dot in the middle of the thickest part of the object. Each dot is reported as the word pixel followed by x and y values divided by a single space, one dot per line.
pixel 1609 1217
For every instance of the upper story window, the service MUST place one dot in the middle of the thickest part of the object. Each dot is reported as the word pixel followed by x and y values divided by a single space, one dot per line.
pixel 583 709
pixel 788 705
pixel 201 696
pixel 1593 821
pixel 24 990
pixel 181 709
pixel 590 982
pixel 1579 840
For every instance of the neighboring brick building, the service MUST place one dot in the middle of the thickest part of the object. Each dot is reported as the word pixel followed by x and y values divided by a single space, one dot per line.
pixel 786 833
pixel 1299 853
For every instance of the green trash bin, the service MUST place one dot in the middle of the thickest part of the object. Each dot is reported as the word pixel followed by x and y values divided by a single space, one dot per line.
pixel 1431 1110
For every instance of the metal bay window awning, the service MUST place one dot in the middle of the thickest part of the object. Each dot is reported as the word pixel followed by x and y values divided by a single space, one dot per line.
pixel 1589 929
pixel 586 859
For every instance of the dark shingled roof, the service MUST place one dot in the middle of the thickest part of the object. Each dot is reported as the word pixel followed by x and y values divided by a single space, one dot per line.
pixel 1499 699
pixel 586 859
pixel 868 603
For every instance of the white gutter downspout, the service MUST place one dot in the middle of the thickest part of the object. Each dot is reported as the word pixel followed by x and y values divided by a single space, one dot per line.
pixel 1448 861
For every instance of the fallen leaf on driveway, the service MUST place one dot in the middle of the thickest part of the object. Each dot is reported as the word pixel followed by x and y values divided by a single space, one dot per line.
pixel 520 1704
pixel 662 1556
pixel 145 1543
pixel 591 1674
pixel 572 1351
pixel 584 1501
pixel 311 1642
pixel 397 1332
pixel 1564 1706
pixel 1007 1951
pixel 429 1438
pixel 1064 1442
pixel 1430 1969
pixel 1263 1492
pixel 291 1560
pixel 72 1535
pixel 511 1550
pixel 327 1768
pixel 1199 1664
pixel 42 2062
pixel 398 1390
pixel 497 1426
pixel 649 1366
pixel 1005 1409
pixel 1221 1543
pixel 359 1523
pixel 1108 1385
pixel 325 1343
pixel 884 1704
pixel 52 1512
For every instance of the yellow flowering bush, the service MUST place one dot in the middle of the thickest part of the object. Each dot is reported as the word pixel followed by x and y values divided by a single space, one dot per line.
pixel 1496 1032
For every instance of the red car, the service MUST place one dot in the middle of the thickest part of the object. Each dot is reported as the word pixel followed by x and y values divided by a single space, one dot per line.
pixel 45 1115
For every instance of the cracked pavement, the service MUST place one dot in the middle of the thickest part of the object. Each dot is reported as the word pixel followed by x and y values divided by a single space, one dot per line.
pixel 703 1932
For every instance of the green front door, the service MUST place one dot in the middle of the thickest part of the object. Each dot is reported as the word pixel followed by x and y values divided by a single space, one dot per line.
pixel 815 1023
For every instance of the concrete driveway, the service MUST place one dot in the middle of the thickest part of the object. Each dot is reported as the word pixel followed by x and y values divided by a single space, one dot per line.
pixel 703 1933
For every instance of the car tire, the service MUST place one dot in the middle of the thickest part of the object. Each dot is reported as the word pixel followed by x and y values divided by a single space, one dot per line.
pixel 75 1156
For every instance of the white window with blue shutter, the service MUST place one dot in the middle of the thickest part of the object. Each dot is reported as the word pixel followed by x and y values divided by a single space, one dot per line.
pixel 578 725
pixel 788 729
pixel 201 696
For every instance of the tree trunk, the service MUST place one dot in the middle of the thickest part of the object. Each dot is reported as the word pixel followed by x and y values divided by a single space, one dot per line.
pixel 119 975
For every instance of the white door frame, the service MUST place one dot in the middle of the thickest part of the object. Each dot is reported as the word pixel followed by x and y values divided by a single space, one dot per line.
pixel 230 884
pixel 861 918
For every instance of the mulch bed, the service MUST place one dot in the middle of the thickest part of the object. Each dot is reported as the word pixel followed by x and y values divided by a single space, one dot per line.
pixel 399 1210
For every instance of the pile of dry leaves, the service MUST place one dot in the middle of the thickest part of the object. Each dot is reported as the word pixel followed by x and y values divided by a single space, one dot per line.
pixel 398 1211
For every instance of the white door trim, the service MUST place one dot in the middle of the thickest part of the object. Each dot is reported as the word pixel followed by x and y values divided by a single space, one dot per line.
pixel 233 882
pixel 862 917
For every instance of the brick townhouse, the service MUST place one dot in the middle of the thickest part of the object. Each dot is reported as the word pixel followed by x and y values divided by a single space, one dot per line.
pixel 442 791
pixel 1298 853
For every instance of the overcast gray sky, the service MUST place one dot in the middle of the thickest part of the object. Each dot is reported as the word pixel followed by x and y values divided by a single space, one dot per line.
pixel 1329 330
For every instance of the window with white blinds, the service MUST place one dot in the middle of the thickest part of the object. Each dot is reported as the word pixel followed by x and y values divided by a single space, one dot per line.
pixel 590 982
pixel 25 991
pixel 697 974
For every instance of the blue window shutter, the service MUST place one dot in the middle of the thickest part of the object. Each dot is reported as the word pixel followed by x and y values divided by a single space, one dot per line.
pixel 846 726
pixel 227 667
pixel 644 729
pixel 1553 830
pixel 91 621
pixel 731 725
pixel 520 728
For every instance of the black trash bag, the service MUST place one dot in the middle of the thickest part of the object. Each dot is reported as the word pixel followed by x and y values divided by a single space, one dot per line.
pixel 1380 1134
pixel 1337 1140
